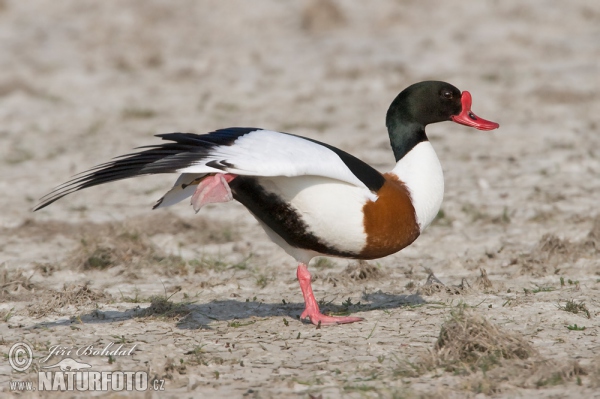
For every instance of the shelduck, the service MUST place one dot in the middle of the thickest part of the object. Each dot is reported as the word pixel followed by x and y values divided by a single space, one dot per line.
pixel 311 198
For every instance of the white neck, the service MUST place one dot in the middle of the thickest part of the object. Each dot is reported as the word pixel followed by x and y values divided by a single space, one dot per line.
pixel 421 172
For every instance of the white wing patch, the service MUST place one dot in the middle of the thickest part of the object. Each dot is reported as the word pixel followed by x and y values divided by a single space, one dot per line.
pixel 265 153
pixel 269 153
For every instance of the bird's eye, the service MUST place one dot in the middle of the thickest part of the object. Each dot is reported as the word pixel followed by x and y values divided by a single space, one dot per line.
pixel 447 94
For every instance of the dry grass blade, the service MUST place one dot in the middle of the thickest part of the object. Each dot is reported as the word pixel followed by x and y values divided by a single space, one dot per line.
pixel 120 247
pixel 493 360
pixel 432 285
pixel 79 296
pixel 363 270
pixel 355 271
pixel 14 282
pixel 483 281
pixel 593 237
pixel 469 341
pixel 551 251
pixel 113 249
pixel 531 373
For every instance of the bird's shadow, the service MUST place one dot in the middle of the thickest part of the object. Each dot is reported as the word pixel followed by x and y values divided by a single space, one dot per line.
pixel 193 316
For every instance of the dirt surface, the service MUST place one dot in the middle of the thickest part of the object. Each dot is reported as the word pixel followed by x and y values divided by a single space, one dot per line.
pixel 210 304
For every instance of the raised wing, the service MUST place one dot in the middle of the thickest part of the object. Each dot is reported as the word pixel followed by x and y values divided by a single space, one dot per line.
pixel 241 151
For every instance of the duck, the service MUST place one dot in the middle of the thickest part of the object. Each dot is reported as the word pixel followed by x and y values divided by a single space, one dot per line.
pixel 311 198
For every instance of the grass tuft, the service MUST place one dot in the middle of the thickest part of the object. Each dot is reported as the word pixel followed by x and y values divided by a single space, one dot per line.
pixel 161 306
pixel 574 307
pixel 575 327
pixel 470 340
pixel 15 282
pixel 71 295
pixel 363 270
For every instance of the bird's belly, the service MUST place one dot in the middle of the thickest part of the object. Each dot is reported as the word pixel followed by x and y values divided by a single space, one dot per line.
pixel 320 215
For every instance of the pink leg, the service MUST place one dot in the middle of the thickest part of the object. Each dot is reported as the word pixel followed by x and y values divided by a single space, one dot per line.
pixel 212 189
pixel 312 308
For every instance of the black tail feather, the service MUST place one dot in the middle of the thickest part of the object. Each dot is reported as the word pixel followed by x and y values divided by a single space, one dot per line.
pixel 184 150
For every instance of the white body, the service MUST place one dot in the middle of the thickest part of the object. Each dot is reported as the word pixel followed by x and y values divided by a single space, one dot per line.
pixel 331 209
pixel 319 186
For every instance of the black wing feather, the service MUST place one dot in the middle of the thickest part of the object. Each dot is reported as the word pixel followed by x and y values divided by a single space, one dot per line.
pixel 187 149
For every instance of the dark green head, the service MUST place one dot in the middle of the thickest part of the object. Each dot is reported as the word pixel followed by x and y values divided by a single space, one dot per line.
pixel 428 102
pixel 424 103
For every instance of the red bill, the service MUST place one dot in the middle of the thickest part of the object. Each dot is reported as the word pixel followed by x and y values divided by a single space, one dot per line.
pixel 468 118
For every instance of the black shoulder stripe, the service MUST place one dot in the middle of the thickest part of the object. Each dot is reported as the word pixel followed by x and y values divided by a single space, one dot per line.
pixel 362 170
